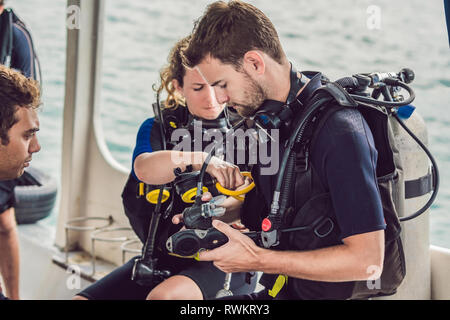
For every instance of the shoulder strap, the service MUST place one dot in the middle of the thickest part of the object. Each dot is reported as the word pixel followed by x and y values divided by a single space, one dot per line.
pixel 307 182
pixel 340 100
pixel 14 19
pixel 170 119
pixel 6 37
pixel 159 117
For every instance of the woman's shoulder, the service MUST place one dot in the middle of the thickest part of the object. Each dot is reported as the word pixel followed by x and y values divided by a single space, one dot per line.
pixel 173 118
pixel 147 124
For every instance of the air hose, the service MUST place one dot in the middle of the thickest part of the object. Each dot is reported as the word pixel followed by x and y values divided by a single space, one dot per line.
pixel 296 138
pixel 154 222
pixel 435 171
pixel 389 104
pixel 280 200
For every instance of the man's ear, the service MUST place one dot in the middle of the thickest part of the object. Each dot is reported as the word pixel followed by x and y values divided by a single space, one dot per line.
pixel 253 62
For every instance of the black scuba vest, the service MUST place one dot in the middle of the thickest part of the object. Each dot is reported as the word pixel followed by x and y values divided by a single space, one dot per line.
pixel 137 209
pixel 310 205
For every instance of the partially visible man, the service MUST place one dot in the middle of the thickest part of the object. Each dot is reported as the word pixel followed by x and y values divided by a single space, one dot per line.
pixel 16 44
pixel 19 100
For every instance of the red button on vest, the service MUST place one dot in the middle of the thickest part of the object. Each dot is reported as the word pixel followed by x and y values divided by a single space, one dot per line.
pixel 266 224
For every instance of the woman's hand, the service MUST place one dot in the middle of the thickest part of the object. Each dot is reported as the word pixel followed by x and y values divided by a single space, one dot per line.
pixel 227 174
pixel 176 219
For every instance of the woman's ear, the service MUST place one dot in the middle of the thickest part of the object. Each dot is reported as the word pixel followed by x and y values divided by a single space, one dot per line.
pixel 253 62
pixel 177 86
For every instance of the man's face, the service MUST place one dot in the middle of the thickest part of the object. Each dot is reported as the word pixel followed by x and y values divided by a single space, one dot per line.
pixel 23 142
pixel 235 88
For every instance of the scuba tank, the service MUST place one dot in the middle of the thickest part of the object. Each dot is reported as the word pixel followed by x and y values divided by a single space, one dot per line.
pixel 417 174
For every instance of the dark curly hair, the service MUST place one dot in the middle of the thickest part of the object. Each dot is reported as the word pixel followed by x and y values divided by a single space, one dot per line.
pixel 16 91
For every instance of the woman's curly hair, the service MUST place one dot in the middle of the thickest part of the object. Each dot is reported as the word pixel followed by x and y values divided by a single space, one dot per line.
pixel 174 70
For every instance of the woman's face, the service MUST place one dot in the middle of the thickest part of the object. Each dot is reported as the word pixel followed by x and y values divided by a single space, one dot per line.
pixel 200 97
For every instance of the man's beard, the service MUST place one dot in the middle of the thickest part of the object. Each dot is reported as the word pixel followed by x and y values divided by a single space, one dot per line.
pixel 254 97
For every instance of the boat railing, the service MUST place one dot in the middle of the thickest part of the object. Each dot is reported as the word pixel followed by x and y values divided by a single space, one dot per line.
pixel 99 229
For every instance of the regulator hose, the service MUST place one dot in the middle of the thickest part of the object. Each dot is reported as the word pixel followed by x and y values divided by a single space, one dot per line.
pixel 435 171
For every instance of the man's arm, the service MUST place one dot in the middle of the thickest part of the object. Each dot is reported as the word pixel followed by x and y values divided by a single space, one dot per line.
pixel 9 253
pixel 355 259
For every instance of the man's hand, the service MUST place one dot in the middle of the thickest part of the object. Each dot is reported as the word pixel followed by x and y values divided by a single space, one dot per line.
pixel 239 254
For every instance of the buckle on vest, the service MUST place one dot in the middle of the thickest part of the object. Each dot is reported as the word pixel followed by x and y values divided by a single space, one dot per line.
pixel 278 285
pixel 302 160
pixel 269 239
pixel 322 230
